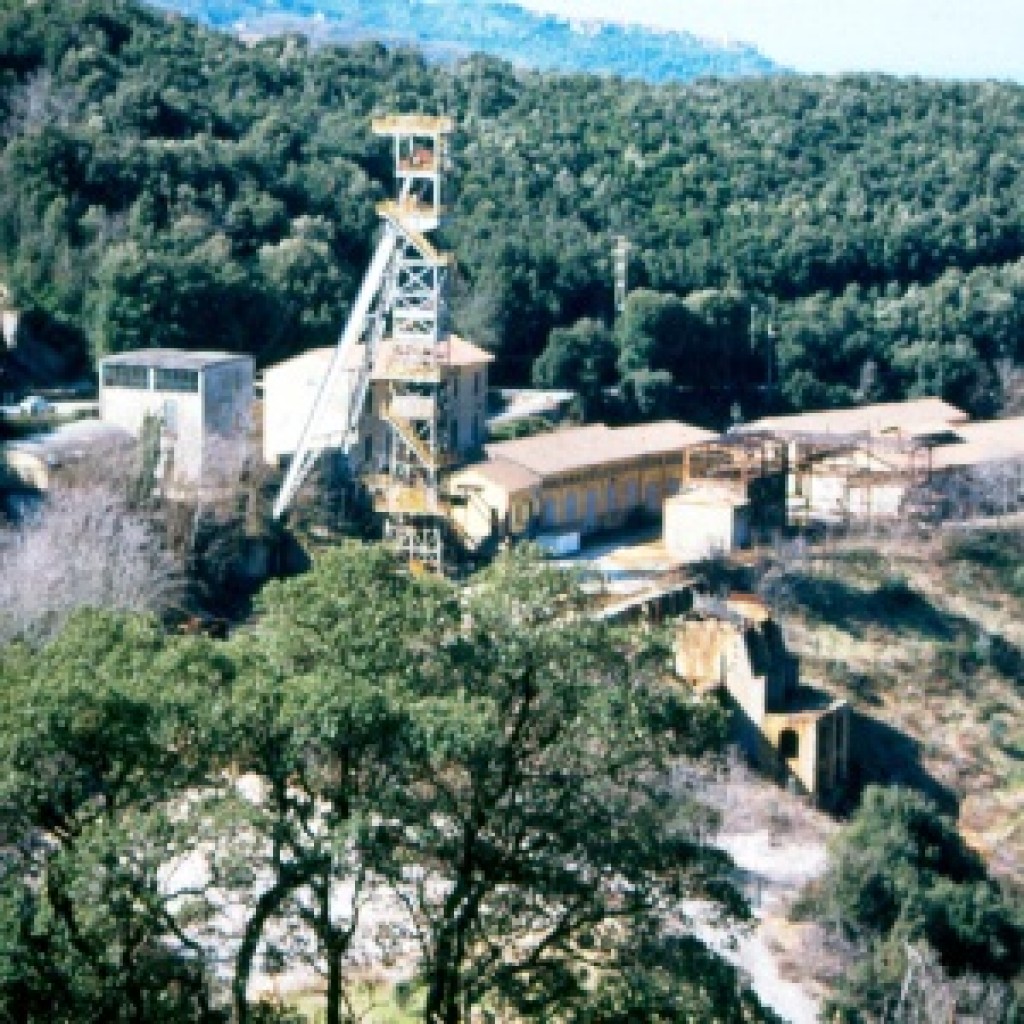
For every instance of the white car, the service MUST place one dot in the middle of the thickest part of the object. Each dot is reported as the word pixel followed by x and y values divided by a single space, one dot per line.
pixel 33 405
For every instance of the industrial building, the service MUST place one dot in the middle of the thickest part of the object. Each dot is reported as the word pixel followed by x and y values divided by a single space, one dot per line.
pixel 577 480
pixel 705 521
pixel 912 419
pixel 584 480
pixel 859 464
pixel 290 389
pixel 980 471
pixel 796 733
pixel 201 403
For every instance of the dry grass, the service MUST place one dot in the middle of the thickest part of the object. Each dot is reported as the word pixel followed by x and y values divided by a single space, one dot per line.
pixel 925 635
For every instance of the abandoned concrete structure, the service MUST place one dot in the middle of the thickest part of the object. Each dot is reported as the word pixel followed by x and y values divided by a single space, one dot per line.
pixel 858 465
pixel 706 520
pixel 798 734
pixel 200 401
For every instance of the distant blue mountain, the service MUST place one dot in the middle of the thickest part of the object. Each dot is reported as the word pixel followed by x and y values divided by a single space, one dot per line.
pixel 452 28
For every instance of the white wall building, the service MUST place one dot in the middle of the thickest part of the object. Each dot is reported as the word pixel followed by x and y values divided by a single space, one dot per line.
pixel 705 521
pixel 291 387
pixel 202 401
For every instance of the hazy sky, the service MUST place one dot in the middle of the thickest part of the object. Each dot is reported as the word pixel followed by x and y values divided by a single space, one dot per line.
pixel 946 38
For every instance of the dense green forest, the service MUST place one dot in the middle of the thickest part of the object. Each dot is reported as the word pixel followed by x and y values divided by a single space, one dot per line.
pixel 848 238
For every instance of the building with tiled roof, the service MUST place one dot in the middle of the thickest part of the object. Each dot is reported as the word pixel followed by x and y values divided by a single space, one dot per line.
pixel 575 480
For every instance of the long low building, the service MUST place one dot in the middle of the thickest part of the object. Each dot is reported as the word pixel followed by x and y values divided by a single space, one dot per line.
pixel 577 480
pixel 878 462
pixel 913 418
pixel 859 464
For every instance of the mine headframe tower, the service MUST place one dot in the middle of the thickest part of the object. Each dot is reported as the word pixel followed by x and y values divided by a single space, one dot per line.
pixel 400 317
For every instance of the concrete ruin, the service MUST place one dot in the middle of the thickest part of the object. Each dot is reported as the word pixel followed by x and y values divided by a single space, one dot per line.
pixel 795 733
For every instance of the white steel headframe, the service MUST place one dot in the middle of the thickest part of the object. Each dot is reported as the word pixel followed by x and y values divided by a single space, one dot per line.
pixel 401 316
pixel 414 408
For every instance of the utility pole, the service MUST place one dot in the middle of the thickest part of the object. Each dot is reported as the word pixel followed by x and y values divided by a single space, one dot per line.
pixel 621 273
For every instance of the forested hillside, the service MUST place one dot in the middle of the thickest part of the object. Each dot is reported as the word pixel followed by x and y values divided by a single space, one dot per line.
pixel 168 185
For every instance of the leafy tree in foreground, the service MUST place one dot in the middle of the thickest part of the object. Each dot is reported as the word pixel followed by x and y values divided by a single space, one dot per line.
pixel 483 770
pixel 549 838
pixel 330 682
pixel 900 876
pixel 98 735
pixel 493 759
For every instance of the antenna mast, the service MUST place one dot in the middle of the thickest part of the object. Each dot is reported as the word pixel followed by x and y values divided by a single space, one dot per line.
pixel 621 262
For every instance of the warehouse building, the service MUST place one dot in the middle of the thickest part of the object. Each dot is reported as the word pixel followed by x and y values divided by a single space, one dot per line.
pixel 200 403
pixel 859 464
pixel 579 480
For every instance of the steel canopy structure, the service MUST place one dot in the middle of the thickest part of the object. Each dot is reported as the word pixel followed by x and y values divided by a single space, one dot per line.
pixel 400 317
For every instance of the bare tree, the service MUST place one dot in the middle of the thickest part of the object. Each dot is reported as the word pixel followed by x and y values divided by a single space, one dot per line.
pixel 928 994
pixel 998 486
pixel 83 548
pixel 35 103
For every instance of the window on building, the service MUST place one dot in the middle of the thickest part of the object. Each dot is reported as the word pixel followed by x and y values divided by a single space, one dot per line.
pixel 453 434
pixel 125 375
pixel 789 744
pixel 477 377
pixel 570 507
pixel 368 448
pixel 549 514
pixel 476 429
pixel 174 379
pixel 652 498
pixel 455 386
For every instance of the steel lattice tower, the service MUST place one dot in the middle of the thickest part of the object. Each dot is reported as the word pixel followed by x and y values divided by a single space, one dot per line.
pixel 411 362
pixel 400 317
